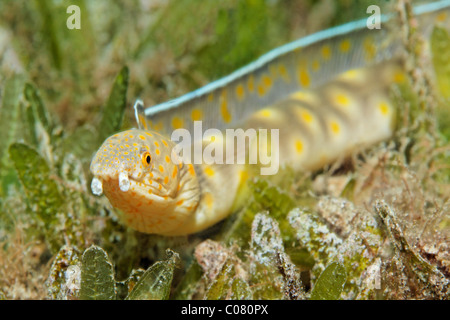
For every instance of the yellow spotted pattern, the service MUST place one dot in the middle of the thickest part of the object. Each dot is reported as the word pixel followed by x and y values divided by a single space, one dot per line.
pixel 266 113
pixel 441 17
pixel 369 48
pixel 284 73
pixel 196 115
pixel 315 134
pixel 251 83
pixel 342 100
pixel 177 123
pixel 335 128
pixel 158 126
pixel 315 65
pixel 299 146
pixel 384 108
pixel 264 85
pixel 303 77
pixel 240 92
pixel 306 116
pixel 209 171
pixel 345 46
pixel 326 52
pixel 304 96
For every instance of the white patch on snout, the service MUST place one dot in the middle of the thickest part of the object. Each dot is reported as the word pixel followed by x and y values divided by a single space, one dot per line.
pixel 124 182
pixel 96 186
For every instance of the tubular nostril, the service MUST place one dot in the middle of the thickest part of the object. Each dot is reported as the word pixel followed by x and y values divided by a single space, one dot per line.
pixel 96 187
pixel 124 182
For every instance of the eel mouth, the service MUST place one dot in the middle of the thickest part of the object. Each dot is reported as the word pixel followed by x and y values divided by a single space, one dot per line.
pixel 125 182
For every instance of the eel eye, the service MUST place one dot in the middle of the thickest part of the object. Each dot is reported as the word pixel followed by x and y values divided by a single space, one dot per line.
pixel 146 158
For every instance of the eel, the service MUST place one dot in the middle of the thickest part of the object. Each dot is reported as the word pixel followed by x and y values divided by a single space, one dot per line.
pixel 303 105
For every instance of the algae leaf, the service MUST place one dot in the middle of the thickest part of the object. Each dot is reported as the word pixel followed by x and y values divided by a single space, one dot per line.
pixel 63 280
pixel 37 105
pixel 240 290
pixel 155 283
pixel 228 285
pixel 264 197
pixel 440 46
pixel 9 112
pixel 188 285
pixel 429 275
pixel 97 275
pixel 349 189
pixel 9 127
pixel 265 245
pixel 330 283
pixel 223 282
pixel 34 173
pixel 115 106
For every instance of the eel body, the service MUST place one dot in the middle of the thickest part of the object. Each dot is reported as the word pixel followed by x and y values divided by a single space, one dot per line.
pixel 302 105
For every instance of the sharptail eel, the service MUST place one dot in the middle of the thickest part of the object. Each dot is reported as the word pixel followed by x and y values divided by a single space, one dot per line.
pixel 327 93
